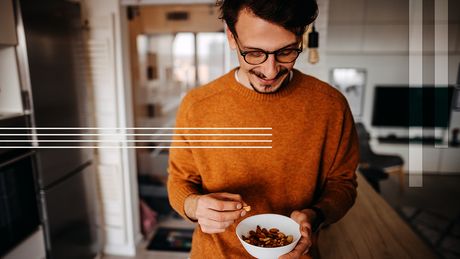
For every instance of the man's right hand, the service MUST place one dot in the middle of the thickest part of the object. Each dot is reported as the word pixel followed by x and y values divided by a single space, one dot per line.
pixel 215 211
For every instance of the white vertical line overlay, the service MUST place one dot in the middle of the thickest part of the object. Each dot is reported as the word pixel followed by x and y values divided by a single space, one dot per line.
pixel 441 61
pixel 415 78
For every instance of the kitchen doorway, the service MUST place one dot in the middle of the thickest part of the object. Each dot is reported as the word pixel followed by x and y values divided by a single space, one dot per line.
pixel 171 64
pixel 173 49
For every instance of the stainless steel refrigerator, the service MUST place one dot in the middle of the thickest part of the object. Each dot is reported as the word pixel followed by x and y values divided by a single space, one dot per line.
pixel 66 177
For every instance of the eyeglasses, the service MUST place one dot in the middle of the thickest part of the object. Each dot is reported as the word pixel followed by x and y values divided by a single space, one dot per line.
pixel 257 57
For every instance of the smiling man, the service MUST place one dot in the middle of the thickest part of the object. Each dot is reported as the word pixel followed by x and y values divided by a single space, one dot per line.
pixel 264 71
pixel 308 174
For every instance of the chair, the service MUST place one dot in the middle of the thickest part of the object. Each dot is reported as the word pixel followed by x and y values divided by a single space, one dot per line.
pixel 372 161
pixel 373 177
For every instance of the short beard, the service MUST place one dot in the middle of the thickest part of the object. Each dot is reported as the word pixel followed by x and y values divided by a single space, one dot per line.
pixel 282 72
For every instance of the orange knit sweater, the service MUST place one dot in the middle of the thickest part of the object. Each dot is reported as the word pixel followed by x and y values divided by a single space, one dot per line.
pixel 312 161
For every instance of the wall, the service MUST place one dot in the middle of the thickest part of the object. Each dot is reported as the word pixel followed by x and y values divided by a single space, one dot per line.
pixel 375 35
pixel 387 69
pixel 202 17
pixel 107 46
pixel 388 39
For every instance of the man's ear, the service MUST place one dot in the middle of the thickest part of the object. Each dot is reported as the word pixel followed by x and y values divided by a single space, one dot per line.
pixel 230 38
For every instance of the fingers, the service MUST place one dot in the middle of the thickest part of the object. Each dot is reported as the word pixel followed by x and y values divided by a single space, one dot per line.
pixel 213 207
pixel 305 229
pixel 212 224
pixel 217 211
pixel 220 216
pixel 219 205
pixel 223 202
pixel 304 243
pixel 227 196
pixel 301 248
pixel 302 219
pixel 298 216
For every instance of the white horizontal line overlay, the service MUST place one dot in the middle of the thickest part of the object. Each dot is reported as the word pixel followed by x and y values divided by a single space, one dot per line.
pixel 120 141
pixel 162 147
pixel 135 134
pixel 141 128
pixel 132 141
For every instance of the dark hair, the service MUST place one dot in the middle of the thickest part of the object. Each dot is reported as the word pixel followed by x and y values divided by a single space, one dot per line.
pixel 293 15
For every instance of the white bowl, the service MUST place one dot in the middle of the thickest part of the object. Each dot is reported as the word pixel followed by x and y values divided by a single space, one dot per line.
pixel 285 224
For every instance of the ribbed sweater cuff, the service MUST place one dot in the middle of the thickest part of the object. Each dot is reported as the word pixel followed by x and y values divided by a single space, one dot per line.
pixel 177 198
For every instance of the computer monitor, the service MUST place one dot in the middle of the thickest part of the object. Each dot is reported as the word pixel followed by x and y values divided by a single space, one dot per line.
pixel 426 106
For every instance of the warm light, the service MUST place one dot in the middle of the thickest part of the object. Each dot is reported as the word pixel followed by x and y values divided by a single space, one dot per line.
pixel 313 44
pixel 313 56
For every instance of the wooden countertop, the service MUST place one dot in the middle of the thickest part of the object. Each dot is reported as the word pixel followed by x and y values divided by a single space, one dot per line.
pixel 371 229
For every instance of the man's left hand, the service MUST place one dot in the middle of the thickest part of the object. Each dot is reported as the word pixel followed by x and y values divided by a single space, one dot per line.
pixel 305 219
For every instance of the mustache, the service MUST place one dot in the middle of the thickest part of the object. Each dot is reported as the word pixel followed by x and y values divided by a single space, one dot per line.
pixel 282 72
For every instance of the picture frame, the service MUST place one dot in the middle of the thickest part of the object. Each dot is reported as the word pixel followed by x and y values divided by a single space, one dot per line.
pixel 351 82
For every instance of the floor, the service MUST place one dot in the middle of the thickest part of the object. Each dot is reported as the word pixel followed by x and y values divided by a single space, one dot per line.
pixel 431 210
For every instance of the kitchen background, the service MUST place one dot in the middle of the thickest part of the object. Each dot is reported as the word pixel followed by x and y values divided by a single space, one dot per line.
pixel 111 66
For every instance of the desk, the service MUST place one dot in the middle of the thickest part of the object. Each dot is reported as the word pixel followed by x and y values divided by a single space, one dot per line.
pixel 371 229
pixel 430 158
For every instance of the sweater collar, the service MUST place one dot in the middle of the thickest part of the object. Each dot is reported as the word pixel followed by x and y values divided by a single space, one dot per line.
pixel 253 95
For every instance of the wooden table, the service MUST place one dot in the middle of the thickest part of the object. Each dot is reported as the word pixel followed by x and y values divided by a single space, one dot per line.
pixel 371 229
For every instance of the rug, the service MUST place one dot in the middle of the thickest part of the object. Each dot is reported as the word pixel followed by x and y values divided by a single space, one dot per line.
pixel 442 233
pixel 171 239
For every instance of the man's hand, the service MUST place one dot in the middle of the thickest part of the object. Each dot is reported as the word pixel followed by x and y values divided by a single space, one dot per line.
pixel 216 211
pixel 305 219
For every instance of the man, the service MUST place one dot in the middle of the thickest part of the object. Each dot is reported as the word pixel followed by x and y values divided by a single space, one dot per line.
pixel 308 174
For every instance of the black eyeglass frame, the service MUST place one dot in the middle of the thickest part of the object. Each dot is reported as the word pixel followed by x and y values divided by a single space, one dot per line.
pixel 244 53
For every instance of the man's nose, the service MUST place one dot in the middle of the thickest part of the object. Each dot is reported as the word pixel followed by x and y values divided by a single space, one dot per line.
pixel 270 67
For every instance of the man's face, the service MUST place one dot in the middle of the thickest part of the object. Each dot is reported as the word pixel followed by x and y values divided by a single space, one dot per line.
pixel 254 33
